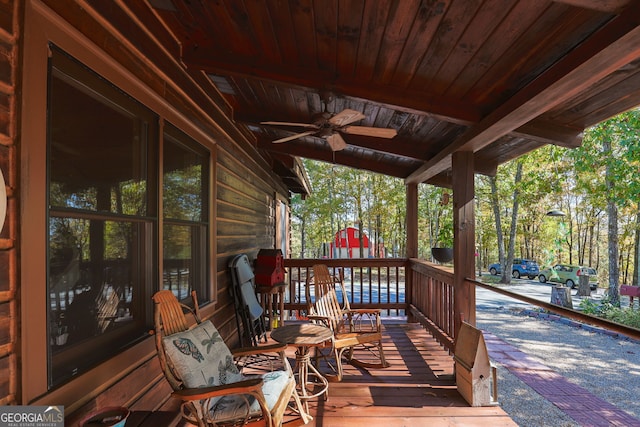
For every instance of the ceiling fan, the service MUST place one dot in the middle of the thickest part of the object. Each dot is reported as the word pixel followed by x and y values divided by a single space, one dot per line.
pixel 329 126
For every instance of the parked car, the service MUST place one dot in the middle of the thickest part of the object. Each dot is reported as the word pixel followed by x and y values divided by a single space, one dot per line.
pixel 569 275
pixel 521 267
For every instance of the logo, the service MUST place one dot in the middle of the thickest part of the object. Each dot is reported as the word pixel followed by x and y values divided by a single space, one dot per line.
pixel 31 416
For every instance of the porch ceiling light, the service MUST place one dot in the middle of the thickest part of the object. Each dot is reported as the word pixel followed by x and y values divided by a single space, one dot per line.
pixel 555 212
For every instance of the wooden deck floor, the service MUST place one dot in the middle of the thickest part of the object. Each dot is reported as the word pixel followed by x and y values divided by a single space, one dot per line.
pixel 418 389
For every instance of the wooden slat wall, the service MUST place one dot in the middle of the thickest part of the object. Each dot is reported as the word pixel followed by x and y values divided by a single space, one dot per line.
pixel 245 221
pixel 9 54
pixel 245 184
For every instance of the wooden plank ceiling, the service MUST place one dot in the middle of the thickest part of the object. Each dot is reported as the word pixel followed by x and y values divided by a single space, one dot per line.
pixel 497 77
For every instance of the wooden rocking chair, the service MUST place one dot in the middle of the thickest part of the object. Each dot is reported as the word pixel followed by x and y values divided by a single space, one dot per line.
pixel 205 374
pixel 359 328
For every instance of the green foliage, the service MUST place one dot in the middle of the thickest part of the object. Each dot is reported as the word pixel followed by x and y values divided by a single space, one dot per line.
pixel 435 223
pixel 606 310
pixel 594 307
pixel 624 316
pixel 343 197
pixel 553 177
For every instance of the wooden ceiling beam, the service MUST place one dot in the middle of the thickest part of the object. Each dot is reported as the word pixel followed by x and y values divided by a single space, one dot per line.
pixel 289 150
pixel 550 133
pixel 613 46
pixel 338 157
pixel 411 101
pixel 608 6
pixel 396 146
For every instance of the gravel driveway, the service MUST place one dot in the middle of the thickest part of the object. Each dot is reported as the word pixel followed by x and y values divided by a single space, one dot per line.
pixel 608 367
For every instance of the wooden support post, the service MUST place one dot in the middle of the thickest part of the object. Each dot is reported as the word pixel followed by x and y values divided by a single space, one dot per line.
pixel 412 242
pixel 412 220
pixel 464 299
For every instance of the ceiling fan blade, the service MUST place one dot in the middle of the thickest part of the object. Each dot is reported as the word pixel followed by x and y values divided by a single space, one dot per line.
pixel 302 125
pixel 297 135
pixel 370 131
pixel 336 142
pixel 346 117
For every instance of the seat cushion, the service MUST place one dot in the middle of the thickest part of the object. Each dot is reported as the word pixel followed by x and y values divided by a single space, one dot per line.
pixel 200 357
pixel 235 406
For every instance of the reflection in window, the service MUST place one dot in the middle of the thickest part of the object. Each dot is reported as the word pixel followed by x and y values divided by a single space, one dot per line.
pixel 93 270
pixel 183 171
pixel 101 218
pixel 97 147
pixel 185 215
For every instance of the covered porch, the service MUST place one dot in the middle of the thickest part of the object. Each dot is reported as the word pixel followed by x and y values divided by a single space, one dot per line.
pixel 416 299
pixel 464 89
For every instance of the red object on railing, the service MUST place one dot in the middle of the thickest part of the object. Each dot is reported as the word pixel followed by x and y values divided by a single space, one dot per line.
pixel 269 267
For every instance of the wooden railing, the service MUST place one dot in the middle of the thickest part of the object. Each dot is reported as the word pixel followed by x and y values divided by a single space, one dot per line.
pixel 430 300
pixel 370 283
pixel 420 290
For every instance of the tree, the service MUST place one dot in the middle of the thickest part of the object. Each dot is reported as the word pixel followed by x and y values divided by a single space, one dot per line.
pixel 602 167
pixel 598 189
pixel 507 262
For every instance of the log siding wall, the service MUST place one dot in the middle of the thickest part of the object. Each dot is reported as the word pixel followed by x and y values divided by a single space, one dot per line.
pixel 243 190
pixel 9 249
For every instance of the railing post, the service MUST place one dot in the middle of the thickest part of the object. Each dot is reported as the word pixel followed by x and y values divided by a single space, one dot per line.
pixel 408 294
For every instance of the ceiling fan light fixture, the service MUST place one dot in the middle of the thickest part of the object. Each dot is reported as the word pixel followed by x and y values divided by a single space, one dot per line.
pixel 325 132
pixel 326 96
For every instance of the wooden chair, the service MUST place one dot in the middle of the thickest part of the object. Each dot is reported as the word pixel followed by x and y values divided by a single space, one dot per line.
pixel 352 329
pixel 208 377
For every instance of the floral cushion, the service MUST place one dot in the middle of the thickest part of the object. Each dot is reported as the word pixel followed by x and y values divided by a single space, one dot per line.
pixel 200 357
pixel 235 406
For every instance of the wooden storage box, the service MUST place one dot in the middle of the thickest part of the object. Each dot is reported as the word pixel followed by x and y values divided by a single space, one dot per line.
pixel 475 375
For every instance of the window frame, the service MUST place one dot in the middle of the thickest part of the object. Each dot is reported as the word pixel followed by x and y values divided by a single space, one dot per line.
pixel 41 27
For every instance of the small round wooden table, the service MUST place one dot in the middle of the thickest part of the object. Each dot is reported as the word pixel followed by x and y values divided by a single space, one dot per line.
pixel 304 336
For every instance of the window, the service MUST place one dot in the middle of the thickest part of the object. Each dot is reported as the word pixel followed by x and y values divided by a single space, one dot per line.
pixel 103 217
pixel 185 172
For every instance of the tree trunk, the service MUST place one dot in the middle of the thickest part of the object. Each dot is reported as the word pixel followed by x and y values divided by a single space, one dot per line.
pixel 514 223
pixel 591 241
pixel 584 289
pixel 303 238
pixel 636 258
pixel 495 204
pixel 612 212
pixel 561 295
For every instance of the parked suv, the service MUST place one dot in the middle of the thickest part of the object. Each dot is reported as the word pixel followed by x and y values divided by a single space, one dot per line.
pixel 521 267
pixel 569 275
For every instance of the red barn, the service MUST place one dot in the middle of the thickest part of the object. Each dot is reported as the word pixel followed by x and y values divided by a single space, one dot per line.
pixel 346 244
